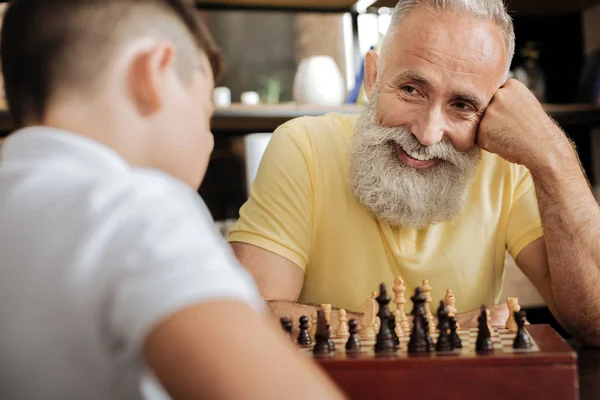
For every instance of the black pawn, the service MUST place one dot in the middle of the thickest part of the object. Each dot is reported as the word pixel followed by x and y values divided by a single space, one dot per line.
pixel 393 329
pixel 418 302
pixel 331 344
pixel 304 336
pixel 353 344
pixel 454 338
pixel 385 341
pixel 417 342
pixel 522 340
pixel 321 336
pixel 428 338
pixel 287 324
pixel 419 307
pixel 484 341
pixel 443 342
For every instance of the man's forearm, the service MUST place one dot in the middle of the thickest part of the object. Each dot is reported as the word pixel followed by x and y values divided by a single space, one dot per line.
pixel 295 310
pixel 571 221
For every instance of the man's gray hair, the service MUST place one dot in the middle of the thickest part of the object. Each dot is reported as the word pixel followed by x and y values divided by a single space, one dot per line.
pixel 491 10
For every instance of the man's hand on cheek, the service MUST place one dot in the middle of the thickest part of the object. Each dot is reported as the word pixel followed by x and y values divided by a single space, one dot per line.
pixel 516 127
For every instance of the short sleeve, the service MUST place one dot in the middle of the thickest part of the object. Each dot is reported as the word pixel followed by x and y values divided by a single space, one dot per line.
pixel 524 223
pixel 167 255
pixel 278 215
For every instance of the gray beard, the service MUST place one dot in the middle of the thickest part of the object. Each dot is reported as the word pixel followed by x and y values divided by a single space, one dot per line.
pixel 401 195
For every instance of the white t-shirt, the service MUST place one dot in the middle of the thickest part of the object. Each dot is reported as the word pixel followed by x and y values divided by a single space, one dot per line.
pixel 93 254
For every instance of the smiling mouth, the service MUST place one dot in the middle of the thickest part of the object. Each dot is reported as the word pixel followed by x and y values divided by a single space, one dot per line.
pixel 414 159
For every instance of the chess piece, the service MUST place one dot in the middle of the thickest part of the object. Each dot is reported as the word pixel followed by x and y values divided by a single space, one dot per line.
pixel 313 324
pixel 484 341
pixel 417 342
pixel 513 307
pixel 304 337
pixel 489 321
pixel 418 302
pixel 377 325
pixel 428 338
pixel 395 338
pixel 398 324
pixel 331 343
pixel 454 338
pixel 428 314
pixel 385 341
pixel 399 301
pixel 287 324
pixel 353 344
pixel 327 310
pixel 522 340
pixel 369 310
pixel 443 343
pixel 450 302
pixel 322 336
pixel 342 330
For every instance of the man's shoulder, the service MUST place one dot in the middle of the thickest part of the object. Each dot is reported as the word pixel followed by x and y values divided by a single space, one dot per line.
pixel 332 126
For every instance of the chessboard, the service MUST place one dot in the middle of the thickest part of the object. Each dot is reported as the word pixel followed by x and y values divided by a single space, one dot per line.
pixel 502 340
pixel 546 370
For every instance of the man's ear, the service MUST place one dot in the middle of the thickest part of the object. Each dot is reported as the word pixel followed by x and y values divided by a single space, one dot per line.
pixel 371 71
pixel 148 77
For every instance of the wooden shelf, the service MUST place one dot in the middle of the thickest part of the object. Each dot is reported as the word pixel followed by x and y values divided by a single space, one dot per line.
pixel 284 5
pixel 240 120
pixel 528 7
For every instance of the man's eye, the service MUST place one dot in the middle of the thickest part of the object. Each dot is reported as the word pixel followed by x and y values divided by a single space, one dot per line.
pixel 462 106
pixel 409 89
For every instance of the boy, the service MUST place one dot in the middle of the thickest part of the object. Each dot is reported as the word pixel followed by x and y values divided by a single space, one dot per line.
pixel 110 265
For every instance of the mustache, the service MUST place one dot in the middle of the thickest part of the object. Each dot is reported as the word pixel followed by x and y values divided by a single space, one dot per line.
pixel 402 136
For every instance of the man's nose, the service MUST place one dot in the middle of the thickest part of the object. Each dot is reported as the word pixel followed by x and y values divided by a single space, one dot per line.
pixel 430 127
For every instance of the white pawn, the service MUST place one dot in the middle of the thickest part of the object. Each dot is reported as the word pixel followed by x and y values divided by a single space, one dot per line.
pixel 326 308
pixel 450 302
pixel 343 330
pixel 397 323
pixel 313 324
pixel 513 306
pixel 399 301
pixel 427 292
pixel 489 321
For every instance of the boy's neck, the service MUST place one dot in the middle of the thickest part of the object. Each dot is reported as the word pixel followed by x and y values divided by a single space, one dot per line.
pixel 102 125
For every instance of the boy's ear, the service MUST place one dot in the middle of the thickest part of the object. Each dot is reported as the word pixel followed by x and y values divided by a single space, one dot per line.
pixel 148 77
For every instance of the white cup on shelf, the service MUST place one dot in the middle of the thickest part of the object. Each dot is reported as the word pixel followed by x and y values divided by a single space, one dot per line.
pixel 250 98
pixel 222 96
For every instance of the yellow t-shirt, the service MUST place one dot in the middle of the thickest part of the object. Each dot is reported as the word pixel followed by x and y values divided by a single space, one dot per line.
pixel 301 207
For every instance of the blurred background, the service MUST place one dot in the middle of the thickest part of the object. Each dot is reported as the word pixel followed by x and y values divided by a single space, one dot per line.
pixel 290 58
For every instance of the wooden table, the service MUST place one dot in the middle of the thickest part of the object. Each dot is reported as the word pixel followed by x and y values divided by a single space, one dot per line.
pixel 549 371
pixel 589 371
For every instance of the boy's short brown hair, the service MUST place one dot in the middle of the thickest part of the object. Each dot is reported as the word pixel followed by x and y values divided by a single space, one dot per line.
pixel 68 44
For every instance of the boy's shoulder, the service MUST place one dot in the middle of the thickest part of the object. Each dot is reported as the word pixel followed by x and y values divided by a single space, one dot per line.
pixel 64 176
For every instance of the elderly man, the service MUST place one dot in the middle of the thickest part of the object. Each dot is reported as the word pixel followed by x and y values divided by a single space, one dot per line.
pixel 443 172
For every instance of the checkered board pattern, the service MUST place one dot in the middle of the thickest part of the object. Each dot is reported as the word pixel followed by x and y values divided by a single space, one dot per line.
pixel 502 340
